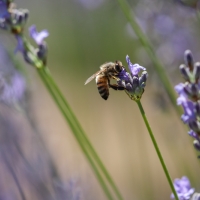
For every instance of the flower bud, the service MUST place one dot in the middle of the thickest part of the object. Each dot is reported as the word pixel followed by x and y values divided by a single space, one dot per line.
pixel 143 77
pixel 197 147
pixel 135 82
pixel 28 57
pixel 196 71
pixel 195 126
pixel 187 89
pixel 121 83
pixel 194 90
pixel 42 52
pixel 197 108
pixel 143 85
pixel 185 72
pixel 189 61
pixel 129 87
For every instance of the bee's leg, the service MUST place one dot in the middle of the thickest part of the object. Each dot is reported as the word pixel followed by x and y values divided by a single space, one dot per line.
pixel 116 87
pixel 114 77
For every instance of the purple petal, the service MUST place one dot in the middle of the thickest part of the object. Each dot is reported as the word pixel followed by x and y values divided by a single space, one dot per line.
pixel 193 134
pixel 20 44
pixel 181 99
pixel 124 75
pixel 188 106
pixel 183 188
pixel 38 36
pixel 180 88
pixel 189 114
pixel 185 182
pixel 3 9
pixel 134 69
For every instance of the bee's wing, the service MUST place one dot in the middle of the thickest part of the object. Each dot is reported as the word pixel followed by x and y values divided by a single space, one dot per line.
pixel 93 76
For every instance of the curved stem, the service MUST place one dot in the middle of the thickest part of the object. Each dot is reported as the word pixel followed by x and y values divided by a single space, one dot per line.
pixel 157 149
pixel 73 128
pixel 77 130
pixel 83 135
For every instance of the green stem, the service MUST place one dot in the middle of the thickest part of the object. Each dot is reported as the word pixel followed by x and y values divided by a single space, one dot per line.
pixel 151 52
pixel 50 84
pixel 157 149
pixel 84 136
pixel 73 128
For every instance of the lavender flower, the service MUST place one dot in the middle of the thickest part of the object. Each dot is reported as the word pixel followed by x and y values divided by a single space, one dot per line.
pixel 189 96
pixel 12 19
pixel 14 22
pixel 38 36
pixel 134 69
pixel 183 188
pixel 133 82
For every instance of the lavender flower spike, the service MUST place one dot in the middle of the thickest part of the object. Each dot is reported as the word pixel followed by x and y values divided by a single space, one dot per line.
pixel 134 69
pixel 183 188
pixel 134 83
pixel 38 36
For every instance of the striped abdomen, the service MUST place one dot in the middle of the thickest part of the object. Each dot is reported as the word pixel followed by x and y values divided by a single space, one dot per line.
pixel 102 85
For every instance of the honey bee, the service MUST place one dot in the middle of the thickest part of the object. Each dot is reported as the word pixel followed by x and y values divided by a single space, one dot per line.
pixel 107 71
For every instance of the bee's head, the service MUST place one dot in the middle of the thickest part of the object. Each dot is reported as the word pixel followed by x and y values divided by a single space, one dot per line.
pixel 118 66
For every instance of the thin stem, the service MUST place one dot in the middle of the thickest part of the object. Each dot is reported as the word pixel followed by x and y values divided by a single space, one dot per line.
pixel 73 128
pixel 157 149
pixel 83 134
pixel 151 52
pixel 71 118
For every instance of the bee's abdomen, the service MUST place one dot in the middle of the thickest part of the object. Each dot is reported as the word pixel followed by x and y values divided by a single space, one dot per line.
pixel 102 85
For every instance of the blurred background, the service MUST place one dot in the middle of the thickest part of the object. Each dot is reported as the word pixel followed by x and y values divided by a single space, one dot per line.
pixel 39 155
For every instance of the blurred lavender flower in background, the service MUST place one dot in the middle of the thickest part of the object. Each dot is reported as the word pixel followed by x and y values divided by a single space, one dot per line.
pixel 171 31
pixel 133 83
pixel 68 191
pixel 26 165
pixel 165 25
pixel 12 82
pixel 189 96
pixel 13 90
pixel 183 188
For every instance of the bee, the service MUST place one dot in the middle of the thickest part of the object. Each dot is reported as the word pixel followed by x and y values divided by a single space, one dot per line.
pixel 107 71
